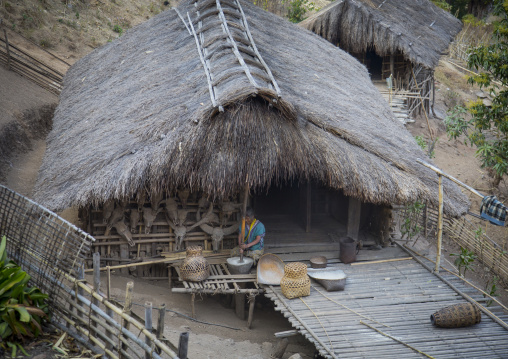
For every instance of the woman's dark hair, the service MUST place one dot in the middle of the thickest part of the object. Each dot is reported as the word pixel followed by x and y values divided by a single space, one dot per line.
pixel 249 212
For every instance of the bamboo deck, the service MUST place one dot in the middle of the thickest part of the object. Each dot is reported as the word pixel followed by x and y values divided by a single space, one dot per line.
pixel 399 294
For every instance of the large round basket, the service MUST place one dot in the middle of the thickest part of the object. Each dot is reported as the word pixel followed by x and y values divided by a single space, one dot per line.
pixel 296 282
pixel 456 316
pixel 195 267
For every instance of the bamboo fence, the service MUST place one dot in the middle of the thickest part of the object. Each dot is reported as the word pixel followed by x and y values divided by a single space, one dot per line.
pixel 465 234
pixel 53 251
pixel 22 63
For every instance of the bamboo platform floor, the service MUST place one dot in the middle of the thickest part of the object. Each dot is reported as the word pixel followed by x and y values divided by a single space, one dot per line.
pixel 399 294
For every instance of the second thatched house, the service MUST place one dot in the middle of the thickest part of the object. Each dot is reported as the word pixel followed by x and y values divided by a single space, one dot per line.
pixel 401 38
pixel 158 134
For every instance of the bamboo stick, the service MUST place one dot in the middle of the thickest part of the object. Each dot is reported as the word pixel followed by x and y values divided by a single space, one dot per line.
pixel 397 340
pixel 127 306
pixel 90 337
pixel 148 326
pixel 126 332
pixel 439 225
pixel 461 278
pixel 381 261
pixel 160 325
pixel 438 171
pixel 109 341
pixel 96 278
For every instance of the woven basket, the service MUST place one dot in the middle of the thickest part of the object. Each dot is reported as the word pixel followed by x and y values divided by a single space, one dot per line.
pixel 456 316
pixel 296 282
pixel 195 267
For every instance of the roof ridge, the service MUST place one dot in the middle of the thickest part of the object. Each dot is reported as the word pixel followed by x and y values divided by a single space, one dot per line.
pixel 233 43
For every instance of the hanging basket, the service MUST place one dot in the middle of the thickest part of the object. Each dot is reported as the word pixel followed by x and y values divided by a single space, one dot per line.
pixel 456 316
pixel 296 282
pixel 195 267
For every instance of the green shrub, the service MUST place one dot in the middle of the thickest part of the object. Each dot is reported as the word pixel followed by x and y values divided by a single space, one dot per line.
pixel 118 29
pixel 464 260
pixel 22 308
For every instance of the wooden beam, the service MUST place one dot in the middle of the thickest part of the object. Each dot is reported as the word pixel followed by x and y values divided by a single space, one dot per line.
pixel 308 210
pixel 353 217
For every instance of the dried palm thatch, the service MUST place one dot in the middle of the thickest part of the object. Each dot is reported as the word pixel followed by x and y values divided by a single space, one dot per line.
pixel 138 113
pixel 417 28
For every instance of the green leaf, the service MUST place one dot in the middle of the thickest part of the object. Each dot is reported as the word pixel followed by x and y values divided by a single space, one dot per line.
pixel 24 316
pixel 3 253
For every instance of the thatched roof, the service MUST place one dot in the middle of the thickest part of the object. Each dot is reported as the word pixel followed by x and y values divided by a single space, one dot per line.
pixel 417 28
pixel 138 113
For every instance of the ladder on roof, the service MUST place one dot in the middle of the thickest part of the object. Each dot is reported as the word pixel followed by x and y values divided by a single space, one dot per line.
pixel 227 49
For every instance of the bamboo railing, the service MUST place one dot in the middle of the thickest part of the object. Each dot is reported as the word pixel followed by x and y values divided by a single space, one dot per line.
pixel 465 234
pixel 53 251
pixel 22 63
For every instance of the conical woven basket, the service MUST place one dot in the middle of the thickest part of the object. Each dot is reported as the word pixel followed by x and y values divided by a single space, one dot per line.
pixel 296 282
pixel 195 267
pixel 456 316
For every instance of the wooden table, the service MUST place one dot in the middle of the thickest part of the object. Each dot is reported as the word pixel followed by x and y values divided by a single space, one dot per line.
pixel 221 281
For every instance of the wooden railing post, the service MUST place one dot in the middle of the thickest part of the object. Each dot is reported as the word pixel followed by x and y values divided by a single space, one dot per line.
pixel 127 308
pixel 160 324
pixel 148 326
pixel 183 345
pixel 96 279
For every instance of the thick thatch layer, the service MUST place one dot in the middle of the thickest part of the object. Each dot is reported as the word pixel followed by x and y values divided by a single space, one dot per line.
pixel 417 28
pixel 137 113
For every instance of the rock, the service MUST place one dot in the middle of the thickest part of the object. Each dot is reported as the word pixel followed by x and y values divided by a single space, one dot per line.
pixel 481 94
pixel 267 346
pixel 230 341
pixel 487 102
pixel 295 356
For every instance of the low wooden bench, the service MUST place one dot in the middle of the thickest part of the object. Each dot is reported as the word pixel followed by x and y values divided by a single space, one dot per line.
pixel 221 281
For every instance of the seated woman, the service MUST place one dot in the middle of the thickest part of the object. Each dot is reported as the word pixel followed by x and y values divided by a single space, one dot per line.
pixel 252 245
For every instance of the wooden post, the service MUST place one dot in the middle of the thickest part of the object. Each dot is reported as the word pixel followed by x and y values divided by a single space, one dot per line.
pixel 148 325
pixel 127 308
pixel 96 279
pixel 392 66
pixel 244 210
pixel 252 301
pixel 8 51
pixel 183 345
pixel 280 349
pixel 108 282
pixel 193 299
pixel 353 218
pixel 160 325
pixel 240 302
pixel 439 225
pixel 308 210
